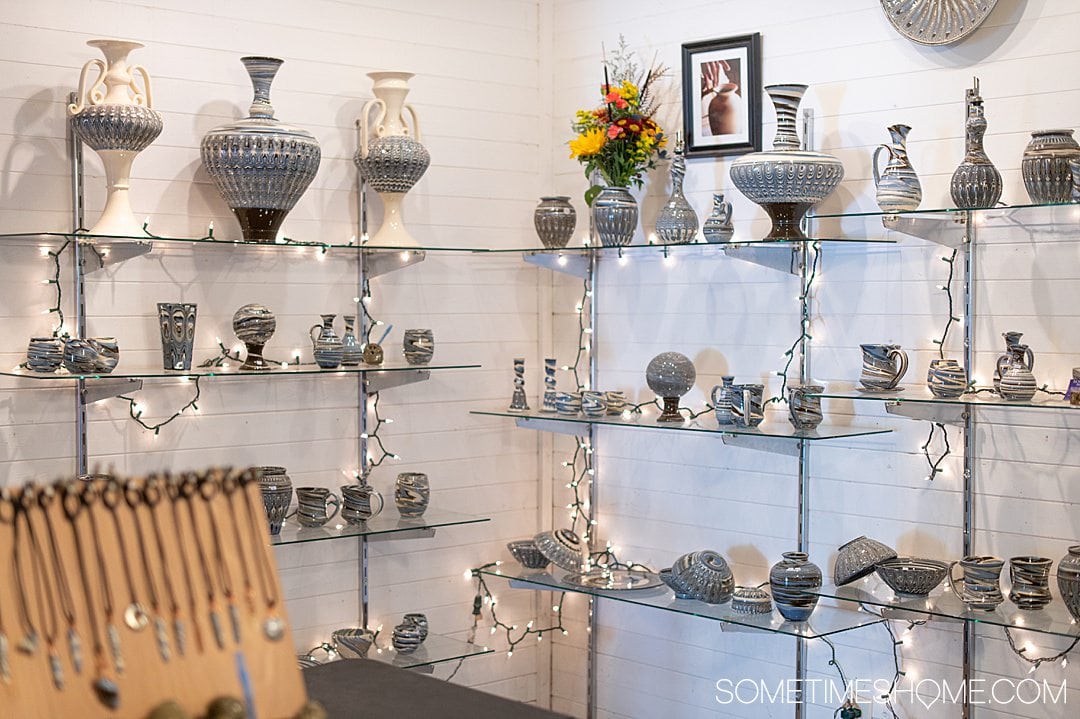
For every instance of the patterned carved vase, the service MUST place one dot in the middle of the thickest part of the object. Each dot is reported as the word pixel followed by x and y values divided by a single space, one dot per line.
pixel 670 375
pixel 177 320
pixel 351 351
pixel 898 188
pixel 615 216
pixel 391 157
pixel 1045 166
pixel 789 579
pixel 1068 577
pixel 718 227
pixel 254 325
pixel 786 181
pixel 721 400
pixel 677 223
pixel 277 490
pixel 326 346
pixel 260 165
pixel 976 183
pixel 115 118
pixel 554 219
pixel 946 379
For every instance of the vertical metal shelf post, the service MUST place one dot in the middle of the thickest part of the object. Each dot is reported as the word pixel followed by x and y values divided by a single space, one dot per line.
pixel 969 442
pixel 75 152
pixel 594 382
pixel 362 384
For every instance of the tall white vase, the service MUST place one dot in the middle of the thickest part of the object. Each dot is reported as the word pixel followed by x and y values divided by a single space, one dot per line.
pixel 391 158
pixel 115 117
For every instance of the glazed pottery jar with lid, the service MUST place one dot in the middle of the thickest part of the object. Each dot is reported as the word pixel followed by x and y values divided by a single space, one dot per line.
pixel 391 157
pixel 1045 166
pixel 116 118
pixel 787 180
pixel 260 165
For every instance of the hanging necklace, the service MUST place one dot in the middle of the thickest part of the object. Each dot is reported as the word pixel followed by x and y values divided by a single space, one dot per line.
pixel 132 496
pixel 49 621
pixel 87 497
pixel 46 497
pixel 208 488
pixel 135 616
pixel 187 493
pixel 151 496
pixel 229 485
pixel 274 624
pixel 173 487
pixel 5 660
pixel 105 689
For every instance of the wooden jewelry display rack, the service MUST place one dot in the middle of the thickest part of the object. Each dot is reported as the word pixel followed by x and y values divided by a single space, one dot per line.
pixel 119 595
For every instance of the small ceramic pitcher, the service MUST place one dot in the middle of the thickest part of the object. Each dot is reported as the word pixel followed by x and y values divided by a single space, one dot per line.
pixel 721 400
pixel 1013 350
pixel 883 367
pixel 314 503
pixel 325 344
pixel 981 582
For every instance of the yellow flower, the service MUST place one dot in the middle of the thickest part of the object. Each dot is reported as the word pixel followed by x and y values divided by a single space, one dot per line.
pixel 587 143
pixel 628 90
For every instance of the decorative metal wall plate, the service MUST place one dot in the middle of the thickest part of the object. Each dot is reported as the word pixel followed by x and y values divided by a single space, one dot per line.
pixel 937 22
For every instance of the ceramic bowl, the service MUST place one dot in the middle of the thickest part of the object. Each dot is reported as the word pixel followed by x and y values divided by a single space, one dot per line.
pixel 681 592
pixel 708 577
pixel 407 638
pixel 527 554
pixel 858 558
pixel 593 404
pixel 352 643
pixel 906 575
pixel 563 548
pixel 568 402
pixel 751 600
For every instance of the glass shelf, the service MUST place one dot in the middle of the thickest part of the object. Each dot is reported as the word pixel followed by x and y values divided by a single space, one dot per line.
pixel 435 650
pixel 942 603
pixel 387 522
pixel 921 395
pixel 999 210
pixel 230 371
pixel 825 620
pixel 693 247
pixel 704 424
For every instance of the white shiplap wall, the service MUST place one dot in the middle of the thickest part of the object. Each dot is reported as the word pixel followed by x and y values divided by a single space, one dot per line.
pixel 661 496
pixel 478 77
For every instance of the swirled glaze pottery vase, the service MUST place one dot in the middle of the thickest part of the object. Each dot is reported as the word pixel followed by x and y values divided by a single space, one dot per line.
pixel 786 181
pixel 554 219
pixel 313 505
pixel 670 375
pixel 1074 169
pixel 116 119
pixel 351 350
pixel 883 367
pixel 548 402
pixel 677 223
pixel 946 379
pixel 615 216
pixel 718 227
pixel 254 325
pixel 412 493
pixel 360 502
pixel 391 157
pixel 1068 577
pixel 1045 166
pixel 976 183
pixel 980 585
pixel 177 323
pixel 721 399
pixel 898 187
pixel 420 621
pixel 789 580
pixel 326 346
pixel 260 165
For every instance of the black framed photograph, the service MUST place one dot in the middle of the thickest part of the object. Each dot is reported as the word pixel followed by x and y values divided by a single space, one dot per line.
pixel 721 84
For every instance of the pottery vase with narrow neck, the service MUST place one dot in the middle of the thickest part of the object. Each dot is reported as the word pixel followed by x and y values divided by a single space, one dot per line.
pixel 391 157
pixel 976 183
pixel 786 181
pixel 115 117
pixel 898 187
pixel 677 223
pixel 260 165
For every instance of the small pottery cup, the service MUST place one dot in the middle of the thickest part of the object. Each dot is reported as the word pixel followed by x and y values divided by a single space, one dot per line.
pixel 721 399
pixel 107 354
pixel 177 323
pixel 419 346
pixel 747 404
pixel 360 502
pixel 883 367
pixel 751 600
pixel 593 404
pixel 44 354
pixel 421 622
pixel 80 357
pixel 616 402
pixel 981 582
pixel 1030 578
pixel 568 403
pixel 314 504
pixel 804 408
pixel 407 639
pixel 412 492
pixel 946 379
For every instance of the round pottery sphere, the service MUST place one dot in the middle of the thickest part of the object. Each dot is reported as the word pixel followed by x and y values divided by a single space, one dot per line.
pixel 563 548
pixel 670 374
pixel 918 577
pixel 858 558
pixel 254 323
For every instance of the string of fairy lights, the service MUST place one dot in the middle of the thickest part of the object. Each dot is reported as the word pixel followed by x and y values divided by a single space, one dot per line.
pixel 799 345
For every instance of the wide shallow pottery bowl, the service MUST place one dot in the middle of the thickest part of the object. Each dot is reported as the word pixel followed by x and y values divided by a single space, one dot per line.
pixel 706 576
pixel 858 558
pixel 527 554
pixel 908 575
pixel 563 548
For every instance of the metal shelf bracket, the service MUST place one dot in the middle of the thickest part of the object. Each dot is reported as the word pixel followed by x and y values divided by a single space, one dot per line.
pixel 942 413
pixel 99 255
pixel 108 388
pixel 573 264
pixel 949 230
pixel 382 262
pixel 378 381
pixel 781 257
pixel 418 533
pixel 574 429
pixel 773 445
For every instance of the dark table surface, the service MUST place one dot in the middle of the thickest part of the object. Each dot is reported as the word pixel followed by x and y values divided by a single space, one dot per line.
pixel 363 689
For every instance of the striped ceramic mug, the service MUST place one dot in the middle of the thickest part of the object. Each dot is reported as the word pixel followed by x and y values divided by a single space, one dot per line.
pixel 883 366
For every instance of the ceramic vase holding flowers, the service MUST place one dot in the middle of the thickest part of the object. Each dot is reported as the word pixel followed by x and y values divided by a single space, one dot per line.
pixel 619 141
pixel 391 157
pixel 115 117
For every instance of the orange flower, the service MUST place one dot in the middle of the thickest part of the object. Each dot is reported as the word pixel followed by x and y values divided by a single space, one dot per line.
pixel 614 131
